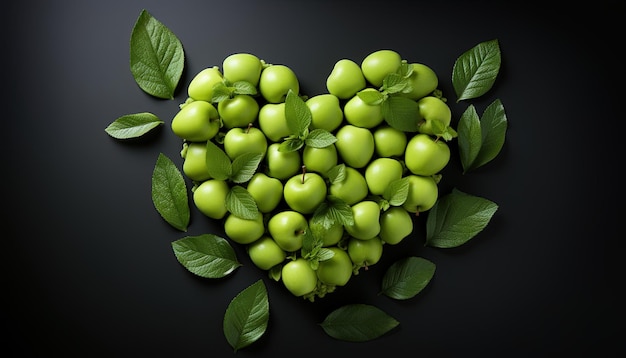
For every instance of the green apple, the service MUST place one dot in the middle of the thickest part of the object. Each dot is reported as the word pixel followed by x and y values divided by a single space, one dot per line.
pixel 423 81
pixel 337 270
pixel 197 121
pixel 244 231
pixel 239 111
pixel 380 172
pixel 364 253
pixel 319 160
pixel 244 140
pixel 425 155
pixel 305 192
pixel 282 165
pixel 242 67
pixel 345 79
pixel 210 198
pixel 299 277
pixel 194 164
pixel 355 145
pixel 265 253
pixel 423 193
pixel 378 64
pixel 272 121
pixel 201 86
pixel 276 81
pixel 395 224
pixel 266 191
pixel 366 225
pixel 352 189
pixel 287 228
pixel 326 112
pixel 361 114
pixel 389 141
pixel 433 109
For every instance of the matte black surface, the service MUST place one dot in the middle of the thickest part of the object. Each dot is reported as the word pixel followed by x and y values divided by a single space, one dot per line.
pixel 88 266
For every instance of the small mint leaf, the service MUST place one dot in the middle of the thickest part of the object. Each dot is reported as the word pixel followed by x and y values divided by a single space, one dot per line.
pixel 291 145
pixel 297 114
pixel 397 192
pixel 320 138
pixel 244 87
pixel 372 98
pixel 337 174
pixel 218 162
pixel 244 166
pixel 133 125
pixel 240 203
pixel 401 113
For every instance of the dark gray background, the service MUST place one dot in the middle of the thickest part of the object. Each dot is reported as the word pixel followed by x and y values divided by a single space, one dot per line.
pixel 88 269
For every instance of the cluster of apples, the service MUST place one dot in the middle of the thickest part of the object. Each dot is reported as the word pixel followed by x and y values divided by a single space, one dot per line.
pixel 313 186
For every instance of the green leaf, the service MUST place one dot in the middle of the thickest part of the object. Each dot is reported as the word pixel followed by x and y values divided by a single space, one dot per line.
pixel 373 98
pixel 337 174
pixel 156 57
pixel 133 125
pixel 407 277
pixel 206 255
pixel 244 87
pixel 247 316
pixel 221 92
pixel 169 193
pixel 475 71
pixel 297 114
pixel 493 126
pixel 240 203
pixel 401 113
pixel 395 83
pixel 333 210
pixel 244 166
pixel 397 191
pixel 457 218
pixel 291 144
pixel 217 161
pixel 470 137
pixel 358 323
pixel 320 138
pixel 480 140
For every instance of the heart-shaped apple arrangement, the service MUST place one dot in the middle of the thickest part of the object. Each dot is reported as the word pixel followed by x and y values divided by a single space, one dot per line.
pixel 315 187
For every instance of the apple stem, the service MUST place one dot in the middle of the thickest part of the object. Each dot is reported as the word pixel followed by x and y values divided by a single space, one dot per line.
pixel 303 173
pixel 248 129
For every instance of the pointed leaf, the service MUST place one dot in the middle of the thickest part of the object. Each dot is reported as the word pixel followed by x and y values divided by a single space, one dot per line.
pixel 156 57
pixel 169 193
pixel 456 218
pixel 247 316
pixel 240 203
pixel 407 277
pixel 401 113
pixel 244 166
pixel 475 71
pixel 397 191
pixel 470 137
pixel 206 255
pixel 493 126
pixel 217 161
pixel 320 138
pixel 358 323
pixel 337 174
pixel 291 145
pixel 373 98
pixel 133 125
pixel 244 87
pixel 297 114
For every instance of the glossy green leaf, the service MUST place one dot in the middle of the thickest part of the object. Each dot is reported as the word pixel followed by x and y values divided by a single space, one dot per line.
pixel 456 218
pixel 401 113
pixel 397 191
pixel 358 323
pixel 218 162
pixel 206 255
pixel 247 316
pixel 244 166
pixel 297 114
pixel 320 138
pixel 332 211
pixel 475 71
pixel 240 203
pixel 156 57
pixel 481 139
pixel 133 125
pixel 470 137
pixel 407 277
pixel 169 193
